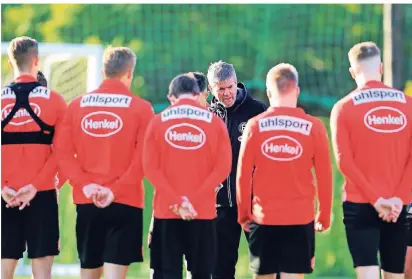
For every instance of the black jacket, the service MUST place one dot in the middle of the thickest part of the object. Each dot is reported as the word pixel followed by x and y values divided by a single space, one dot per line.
pixel 235 117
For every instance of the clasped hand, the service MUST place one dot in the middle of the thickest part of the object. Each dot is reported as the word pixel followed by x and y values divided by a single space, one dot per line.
pixel 20 198
pixel 100 195
pixel 389 209
pixel 185 210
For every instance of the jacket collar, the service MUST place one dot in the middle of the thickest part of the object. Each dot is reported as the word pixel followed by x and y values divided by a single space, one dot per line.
pixel 286 110
pixel 373 83
pixel 114 86
pixel 25 78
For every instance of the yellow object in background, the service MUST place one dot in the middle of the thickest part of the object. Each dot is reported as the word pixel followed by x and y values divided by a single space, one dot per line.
pixel 408 88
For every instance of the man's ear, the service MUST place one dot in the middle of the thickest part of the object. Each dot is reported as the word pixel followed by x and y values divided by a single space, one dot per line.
pixel 352 72
pixel 297 91
pixel 36 61
pixel 130 74
pixel 381 69
pixel 10 64
pixel 268 93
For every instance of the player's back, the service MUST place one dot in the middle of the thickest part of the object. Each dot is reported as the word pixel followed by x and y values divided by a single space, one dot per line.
pixel 105 126
pixel 25 144
pixel 377 120
pixel 284 143
pixel 188 138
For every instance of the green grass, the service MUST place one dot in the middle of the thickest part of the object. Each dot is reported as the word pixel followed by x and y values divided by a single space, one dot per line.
pixel 332 255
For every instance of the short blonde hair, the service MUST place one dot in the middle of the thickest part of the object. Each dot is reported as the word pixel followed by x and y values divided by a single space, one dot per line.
pixel 117 61
pixel 22 50
pixel 283 76
pixel 363 51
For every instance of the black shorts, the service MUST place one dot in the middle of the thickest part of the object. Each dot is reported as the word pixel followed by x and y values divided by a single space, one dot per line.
pixel 109 235
pixel 36 226
pixel 174 238
pixel 409 224
pixel 367 235
pixel 275 248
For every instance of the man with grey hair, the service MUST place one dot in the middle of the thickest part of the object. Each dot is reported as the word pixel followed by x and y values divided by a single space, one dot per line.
pixel 371 137
pixel 234 104
pixel 186 154
pixel 100 150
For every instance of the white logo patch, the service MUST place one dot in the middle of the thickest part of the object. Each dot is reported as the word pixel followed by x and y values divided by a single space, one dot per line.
pixel 101 124
pixel 185 136
pixel 377 95
pixel 105 100
pixel 385 120
pixel 22 116
pixel 282 148
pixel 285 123
pixel 7 93
pixel 186 111
pixel 40 92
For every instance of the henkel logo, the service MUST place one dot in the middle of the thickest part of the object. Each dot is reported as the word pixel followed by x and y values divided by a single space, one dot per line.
pixel 185 136
pixel 101 124
pixel 282 148
pixel 385 120
pixel 22 116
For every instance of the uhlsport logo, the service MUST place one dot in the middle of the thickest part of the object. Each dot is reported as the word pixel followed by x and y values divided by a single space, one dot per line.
pixel 22 116
pixel 101 124
pixel 285 123
pixel 105 100
pixel 385 120
pixel 38 92
pixel 282 148
pixel 378 95
pixel 185 136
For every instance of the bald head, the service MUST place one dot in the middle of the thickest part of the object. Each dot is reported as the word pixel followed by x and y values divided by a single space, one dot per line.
pixel 282 78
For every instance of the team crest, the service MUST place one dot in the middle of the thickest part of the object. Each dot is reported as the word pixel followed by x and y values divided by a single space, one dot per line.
pixel 242 127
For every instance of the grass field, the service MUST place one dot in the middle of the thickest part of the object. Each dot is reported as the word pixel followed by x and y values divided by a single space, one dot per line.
pixel 332 255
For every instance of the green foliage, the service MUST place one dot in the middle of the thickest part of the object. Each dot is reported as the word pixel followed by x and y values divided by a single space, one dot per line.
pixel 170 39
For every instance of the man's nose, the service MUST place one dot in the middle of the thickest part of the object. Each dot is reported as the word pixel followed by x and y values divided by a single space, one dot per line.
pixel 227 92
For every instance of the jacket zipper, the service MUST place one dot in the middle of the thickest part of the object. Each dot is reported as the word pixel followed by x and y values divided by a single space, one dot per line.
pixel 229 193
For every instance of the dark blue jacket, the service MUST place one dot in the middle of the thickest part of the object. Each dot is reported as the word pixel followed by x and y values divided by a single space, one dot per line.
pixel 235 117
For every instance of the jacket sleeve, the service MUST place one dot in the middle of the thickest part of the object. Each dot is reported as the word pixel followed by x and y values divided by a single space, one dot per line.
pixel 50 167
pixel 244 175
pixel 222 164
pixel 405 187
pixel 152 164
pixel 65 150
pixel 344 155
pixel 134 174
pixel 324 176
